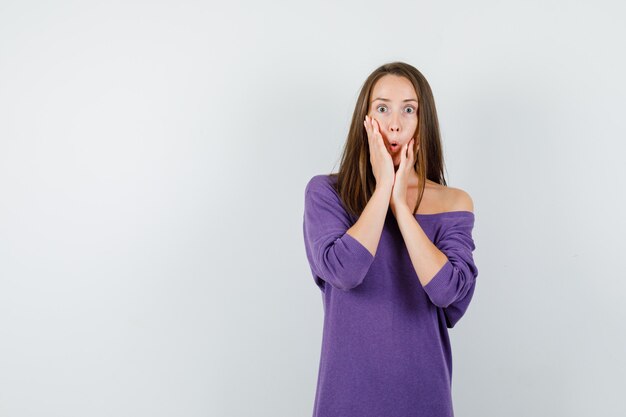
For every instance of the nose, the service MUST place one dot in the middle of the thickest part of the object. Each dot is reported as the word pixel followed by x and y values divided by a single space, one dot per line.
pixel 394 123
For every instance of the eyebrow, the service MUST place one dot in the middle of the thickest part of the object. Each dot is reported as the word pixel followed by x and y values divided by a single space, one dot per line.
pixel 386 99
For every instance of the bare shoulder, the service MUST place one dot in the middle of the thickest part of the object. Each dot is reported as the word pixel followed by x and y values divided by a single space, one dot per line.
pixel 459 200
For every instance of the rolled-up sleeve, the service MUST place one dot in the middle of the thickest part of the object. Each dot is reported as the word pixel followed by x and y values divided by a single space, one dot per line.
pixel 452 287
pixel 335 257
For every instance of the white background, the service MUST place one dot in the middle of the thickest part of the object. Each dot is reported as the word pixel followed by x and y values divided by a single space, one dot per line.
pixel 153 158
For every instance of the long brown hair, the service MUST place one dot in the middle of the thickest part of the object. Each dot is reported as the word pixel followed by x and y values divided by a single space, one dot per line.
pixel 355 180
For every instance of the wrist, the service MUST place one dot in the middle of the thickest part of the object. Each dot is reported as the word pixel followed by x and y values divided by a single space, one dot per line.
pixel 402 207
pixel 384 188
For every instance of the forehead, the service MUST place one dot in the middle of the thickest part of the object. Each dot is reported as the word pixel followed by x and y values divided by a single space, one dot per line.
pixel 393 87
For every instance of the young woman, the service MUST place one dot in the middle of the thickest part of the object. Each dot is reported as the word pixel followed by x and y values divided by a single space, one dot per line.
pixel 390 247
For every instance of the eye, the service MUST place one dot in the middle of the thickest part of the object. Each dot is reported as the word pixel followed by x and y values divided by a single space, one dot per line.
pixel 380 107
pixel 412 109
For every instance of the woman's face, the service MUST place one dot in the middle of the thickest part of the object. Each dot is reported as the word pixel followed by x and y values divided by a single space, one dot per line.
pixel 394 106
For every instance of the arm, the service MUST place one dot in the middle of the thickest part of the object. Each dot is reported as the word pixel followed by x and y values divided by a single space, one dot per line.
pixel 446 269
pixel 426 258
pixel 369 226
pixel 340 253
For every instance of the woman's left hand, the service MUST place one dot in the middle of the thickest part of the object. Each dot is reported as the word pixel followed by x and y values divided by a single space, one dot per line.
pixel 401 182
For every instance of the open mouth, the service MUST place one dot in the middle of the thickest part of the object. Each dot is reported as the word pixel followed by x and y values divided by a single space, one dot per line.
pixel 394 146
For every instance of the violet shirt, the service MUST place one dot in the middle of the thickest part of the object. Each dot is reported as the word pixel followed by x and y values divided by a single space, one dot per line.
pixel 385 346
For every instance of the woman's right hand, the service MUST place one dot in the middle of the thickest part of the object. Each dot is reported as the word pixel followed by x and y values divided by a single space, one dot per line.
pixel 382 163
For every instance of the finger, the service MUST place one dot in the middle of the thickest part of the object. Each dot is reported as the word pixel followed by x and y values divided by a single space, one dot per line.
pixel 372 131
pixel 412 150
pixel 403 155
pixel 376 130
pixel 367 136
pixel 381 144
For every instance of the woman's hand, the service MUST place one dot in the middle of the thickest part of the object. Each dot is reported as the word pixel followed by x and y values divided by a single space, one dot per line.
pixel 401 181
pixel 382 163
